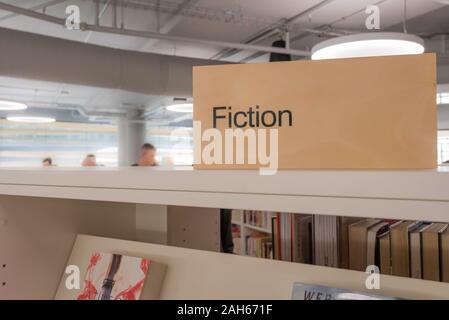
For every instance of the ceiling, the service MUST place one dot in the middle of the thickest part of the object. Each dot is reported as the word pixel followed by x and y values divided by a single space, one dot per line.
pixel 242 21
pixel 231 20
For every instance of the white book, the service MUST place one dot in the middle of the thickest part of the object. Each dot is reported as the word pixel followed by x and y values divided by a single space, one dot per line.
pixel 326 240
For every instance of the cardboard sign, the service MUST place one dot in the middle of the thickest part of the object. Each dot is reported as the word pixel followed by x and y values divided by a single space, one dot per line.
pixel 362 113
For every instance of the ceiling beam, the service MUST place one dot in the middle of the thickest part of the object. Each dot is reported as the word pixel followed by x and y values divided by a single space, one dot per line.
pixel 170 22
pixel 98 15
pixel 327 25
pixel 256 55
pixel 32 14
pixel 35 8
pixel 213 43
pixel 152 35
pixel 114 13
pixel 268 31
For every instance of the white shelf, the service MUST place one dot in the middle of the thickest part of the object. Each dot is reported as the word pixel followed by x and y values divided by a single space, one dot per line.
pixel 385 194
pixel 407 194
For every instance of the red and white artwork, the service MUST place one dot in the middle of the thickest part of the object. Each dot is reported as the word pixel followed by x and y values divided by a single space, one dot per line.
pixel 114 277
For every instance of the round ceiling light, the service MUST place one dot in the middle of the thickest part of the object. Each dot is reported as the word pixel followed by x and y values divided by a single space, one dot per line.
pixel 181 107
pixel 368 45
pixel 30 119
pixel 10 106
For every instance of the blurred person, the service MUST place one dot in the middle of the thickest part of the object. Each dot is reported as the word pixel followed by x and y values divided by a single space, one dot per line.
pixel 227 243
pixel 47 162
pixel 147 156
pixel 90 161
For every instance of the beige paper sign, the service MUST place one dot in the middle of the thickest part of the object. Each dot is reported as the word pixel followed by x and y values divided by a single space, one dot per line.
pixel 363 113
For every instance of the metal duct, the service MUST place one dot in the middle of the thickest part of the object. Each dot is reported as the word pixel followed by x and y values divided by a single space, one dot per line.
pixel 30 56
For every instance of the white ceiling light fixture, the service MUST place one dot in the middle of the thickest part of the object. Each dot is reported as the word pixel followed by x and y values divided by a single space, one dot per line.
pixel 368 45
pixel 30 119
pixel 12 106
pixel 181 107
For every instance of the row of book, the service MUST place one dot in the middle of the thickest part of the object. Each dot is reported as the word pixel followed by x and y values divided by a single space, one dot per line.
pixel 259 245
pixel 415 249
pixel 292 237
pixel 261 219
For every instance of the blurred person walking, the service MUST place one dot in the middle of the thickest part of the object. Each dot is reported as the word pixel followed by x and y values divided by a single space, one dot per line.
pixel 90 161
pixel 147 156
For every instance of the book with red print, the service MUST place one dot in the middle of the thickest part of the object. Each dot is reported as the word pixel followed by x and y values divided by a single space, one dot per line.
pixel 110 269
pixel 114 277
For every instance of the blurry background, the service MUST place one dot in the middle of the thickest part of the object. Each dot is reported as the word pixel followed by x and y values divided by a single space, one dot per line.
pixel 108 101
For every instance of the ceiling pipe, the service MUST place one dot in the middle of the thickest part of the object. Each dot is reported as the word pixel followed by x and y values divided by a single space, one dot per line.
pixel 318 32
pixel 269 31
pixel 328 25
pixel 114 13
pixel 89 113
pixel 31 14
pixel 122 17
pixel 98 15
pixel 97 12
pixel 263 34
pixel 152 35
pixel 169 23
pixel 172 20
pixel 147 34
pixel 322 33
pixel 35 8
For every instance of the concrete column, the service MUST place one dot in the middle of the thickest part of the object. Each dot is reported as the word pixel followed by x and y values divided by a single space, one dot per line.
pixel 131 136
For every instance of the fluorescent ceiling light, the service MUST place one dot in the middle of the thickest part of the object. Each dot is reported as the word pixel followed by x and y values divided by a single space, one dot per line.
pixel 443 98
pixel 10 105
pixel 368 45
pixel 181 107
pixel 30 119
